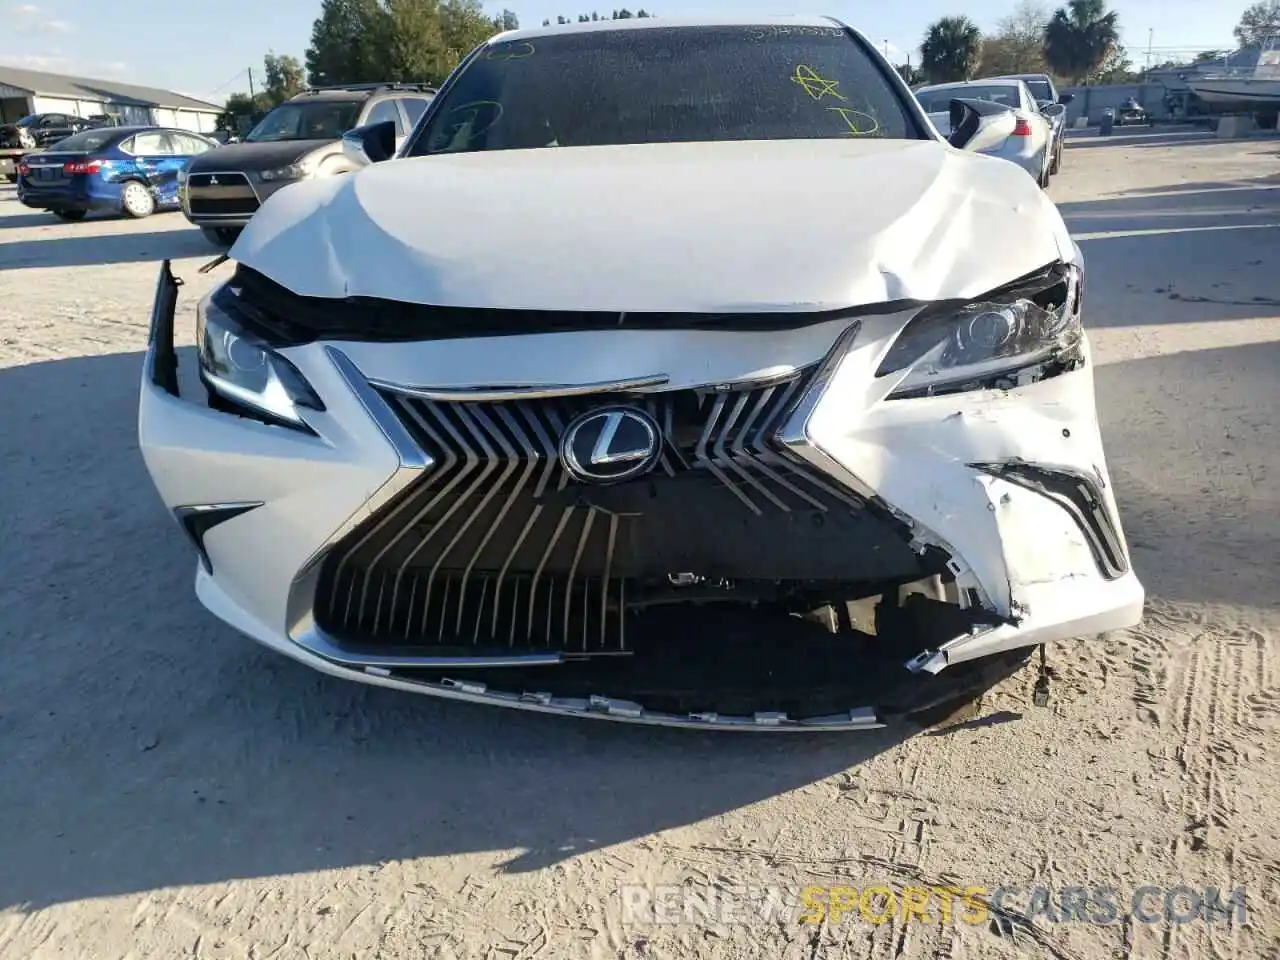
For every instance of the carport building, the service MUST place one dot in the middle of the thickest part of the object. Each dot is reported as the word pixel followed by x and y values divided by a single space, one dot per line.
pixel 24 92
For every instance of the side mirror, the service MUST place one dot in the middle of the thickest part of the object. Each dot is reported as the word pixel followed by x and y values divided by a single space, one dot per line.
pixel 968 117
pixel 372 143
pixel 1066 98
pixel 1053 109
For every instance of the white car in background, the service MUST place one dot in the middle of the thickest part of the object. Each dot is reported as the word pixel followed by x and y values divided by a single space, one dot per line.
pixel 1021 134
pixel 673 372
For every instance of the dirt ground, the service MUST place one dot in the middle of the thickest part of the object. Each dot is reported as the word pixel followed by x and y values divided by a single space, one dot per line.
pixel 169 789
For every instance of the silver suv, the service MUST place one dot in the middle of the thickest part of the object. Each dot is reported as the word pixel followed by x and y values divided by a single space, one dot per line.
pixel 298 140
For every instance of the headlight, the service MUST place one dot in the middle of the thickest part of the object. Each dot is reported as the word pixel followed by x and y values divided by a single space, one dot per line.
pixel 294 171
pixel 25 139
pixel 987 342
pixel 240 368
pixel 182 174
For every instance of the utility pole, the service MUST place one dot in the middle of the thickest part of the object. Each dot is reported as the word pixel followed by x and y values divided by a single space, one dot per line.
pixel 251 83
pixel 1150 36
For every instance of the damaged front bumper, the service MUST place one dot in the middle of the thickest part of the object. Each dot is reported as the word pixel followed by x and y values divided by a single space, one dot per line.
pixel 1004 492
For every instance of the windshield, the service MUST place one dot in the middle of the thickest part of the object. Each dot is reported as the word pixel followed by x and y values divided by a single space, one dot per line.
pixel 663 85
pixel 87 141
pixel 939 101
pixel 317 120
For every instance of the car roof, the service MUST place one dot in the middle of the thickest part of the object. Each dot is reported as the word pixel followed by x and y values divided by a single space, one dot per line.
pixel 1023 76
pixel 651 23
pixel 310 96
pixel 993 82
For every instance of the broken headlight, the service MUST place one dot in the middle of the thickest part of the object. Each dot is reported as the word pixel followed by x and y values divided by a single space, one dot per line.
pixel 991 342
pixel 241 369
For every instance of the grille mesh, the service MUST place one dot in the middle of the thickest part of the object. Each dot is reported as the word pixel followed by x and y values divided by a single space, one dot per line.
pixel 499 547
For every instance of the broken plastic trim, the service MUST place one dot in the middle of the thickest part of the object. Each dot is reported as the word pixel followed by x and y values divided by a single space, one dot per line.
pixel 906 702
pixel 1079 495
pixel 162 359
pixel 198 519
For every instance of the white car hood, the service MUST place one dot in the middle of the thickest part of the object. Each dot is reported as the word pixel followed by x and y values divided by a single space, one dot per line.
pixel 705 227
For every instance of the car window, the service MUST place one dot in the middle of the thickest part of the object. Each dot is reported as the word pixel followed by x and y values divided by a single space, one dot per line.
pixel 188 145
pixel 667 84
pixel 307 120
pixel 87 141
pixel 386 110
pixel 414 106
pixel 939 101
pixel 52 120
pixel 154 144
pixel 1040 89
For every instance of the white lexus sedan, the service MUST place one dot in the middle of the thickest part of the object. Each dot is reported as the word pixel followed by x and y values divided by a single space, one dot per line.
pixel 1020 134
pixel 676 372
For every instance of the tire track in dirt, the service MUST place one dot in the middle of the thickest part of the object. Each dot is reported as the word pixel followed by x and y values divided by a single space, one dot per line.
pixel 1225 672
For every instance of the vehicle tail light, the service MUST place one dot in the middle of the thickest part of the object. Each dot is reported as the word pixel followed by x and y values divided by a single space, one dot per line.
pixel 82 166
pixel 1022 128
pixel 23 169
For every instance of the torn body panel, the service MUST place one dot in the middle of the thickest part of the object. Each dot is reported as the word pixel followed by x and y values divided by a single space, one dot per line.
pixel 937 461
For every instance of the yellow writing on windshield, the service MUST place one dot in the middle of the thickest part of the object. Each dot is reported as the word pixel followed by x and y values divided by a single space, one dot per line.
pixel 860 124
pixel 510 51
pixel 814 85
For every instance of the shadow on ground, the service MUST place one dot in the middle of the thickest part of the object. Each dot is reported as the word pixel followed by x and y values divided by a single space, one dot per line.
pixel 1194 137
pixel 92 249
pixel 114 678
pixel 1193 248
pixel 33 219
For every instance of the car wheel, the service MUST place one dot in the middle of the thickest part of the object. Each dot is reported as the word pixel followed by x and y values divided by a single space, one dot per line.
pixel 71 216
pixel 221 237
pixel 138 201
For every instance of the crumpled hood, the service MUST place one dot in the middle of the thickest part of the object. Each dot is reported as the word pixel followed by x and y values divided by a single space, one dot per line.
pixel 254 156
pixel 703 227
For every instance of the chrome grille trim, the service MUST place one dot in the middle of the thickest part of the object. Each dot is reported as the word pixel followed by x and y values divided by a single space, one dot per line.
pixel 478 557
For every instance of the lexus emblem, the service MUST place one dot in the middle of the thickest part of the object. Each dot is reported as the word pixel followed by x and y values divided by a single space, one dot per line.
pixel 610 445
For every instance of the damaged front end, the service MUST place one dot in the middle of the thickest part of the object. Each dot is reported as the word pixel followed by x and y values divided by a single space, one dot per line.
pixel 806 546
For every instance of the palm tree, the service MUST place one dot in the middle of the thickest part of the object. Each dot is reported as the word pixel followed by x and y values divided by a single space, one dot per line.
pixel 952 50
pixel 1080 37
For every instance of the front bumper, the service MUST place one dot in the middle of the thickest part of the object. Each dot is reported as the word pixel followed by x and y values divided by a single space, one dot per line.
pixel 958 472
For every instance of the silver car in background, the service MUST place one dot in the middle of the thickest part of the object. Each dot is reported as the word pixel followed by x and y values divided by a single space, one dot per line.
pixel 1024 136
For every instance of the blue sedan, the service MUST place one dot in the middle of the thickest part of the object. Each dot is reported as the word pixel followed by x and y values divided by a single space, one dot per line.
pixel 129 170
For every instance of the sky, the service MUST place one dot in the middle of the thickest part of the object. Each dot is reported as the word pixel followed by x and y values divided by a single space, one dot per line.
pixel 204 49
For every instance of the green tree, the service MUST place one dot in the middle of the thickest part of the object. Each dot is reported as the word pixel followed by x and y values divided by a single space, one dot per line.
pixel 952 50
pixel 1080 37
pixel 1017 45
pixel 909 74
pixel 284 78
pixel 593 16
pixel 1117 68
pixel 411 43
pixel 345 42
pixel 507 20
pixel 1258 22
pixel 465 27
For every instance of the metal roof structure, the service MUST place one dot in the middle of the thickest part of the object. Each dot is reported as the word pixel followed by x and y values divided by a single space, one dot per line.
pixel 39 83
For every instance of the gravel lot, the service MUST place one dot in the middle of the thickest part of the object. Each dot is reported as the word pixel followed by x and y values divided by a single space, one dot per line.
pixel 169 789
